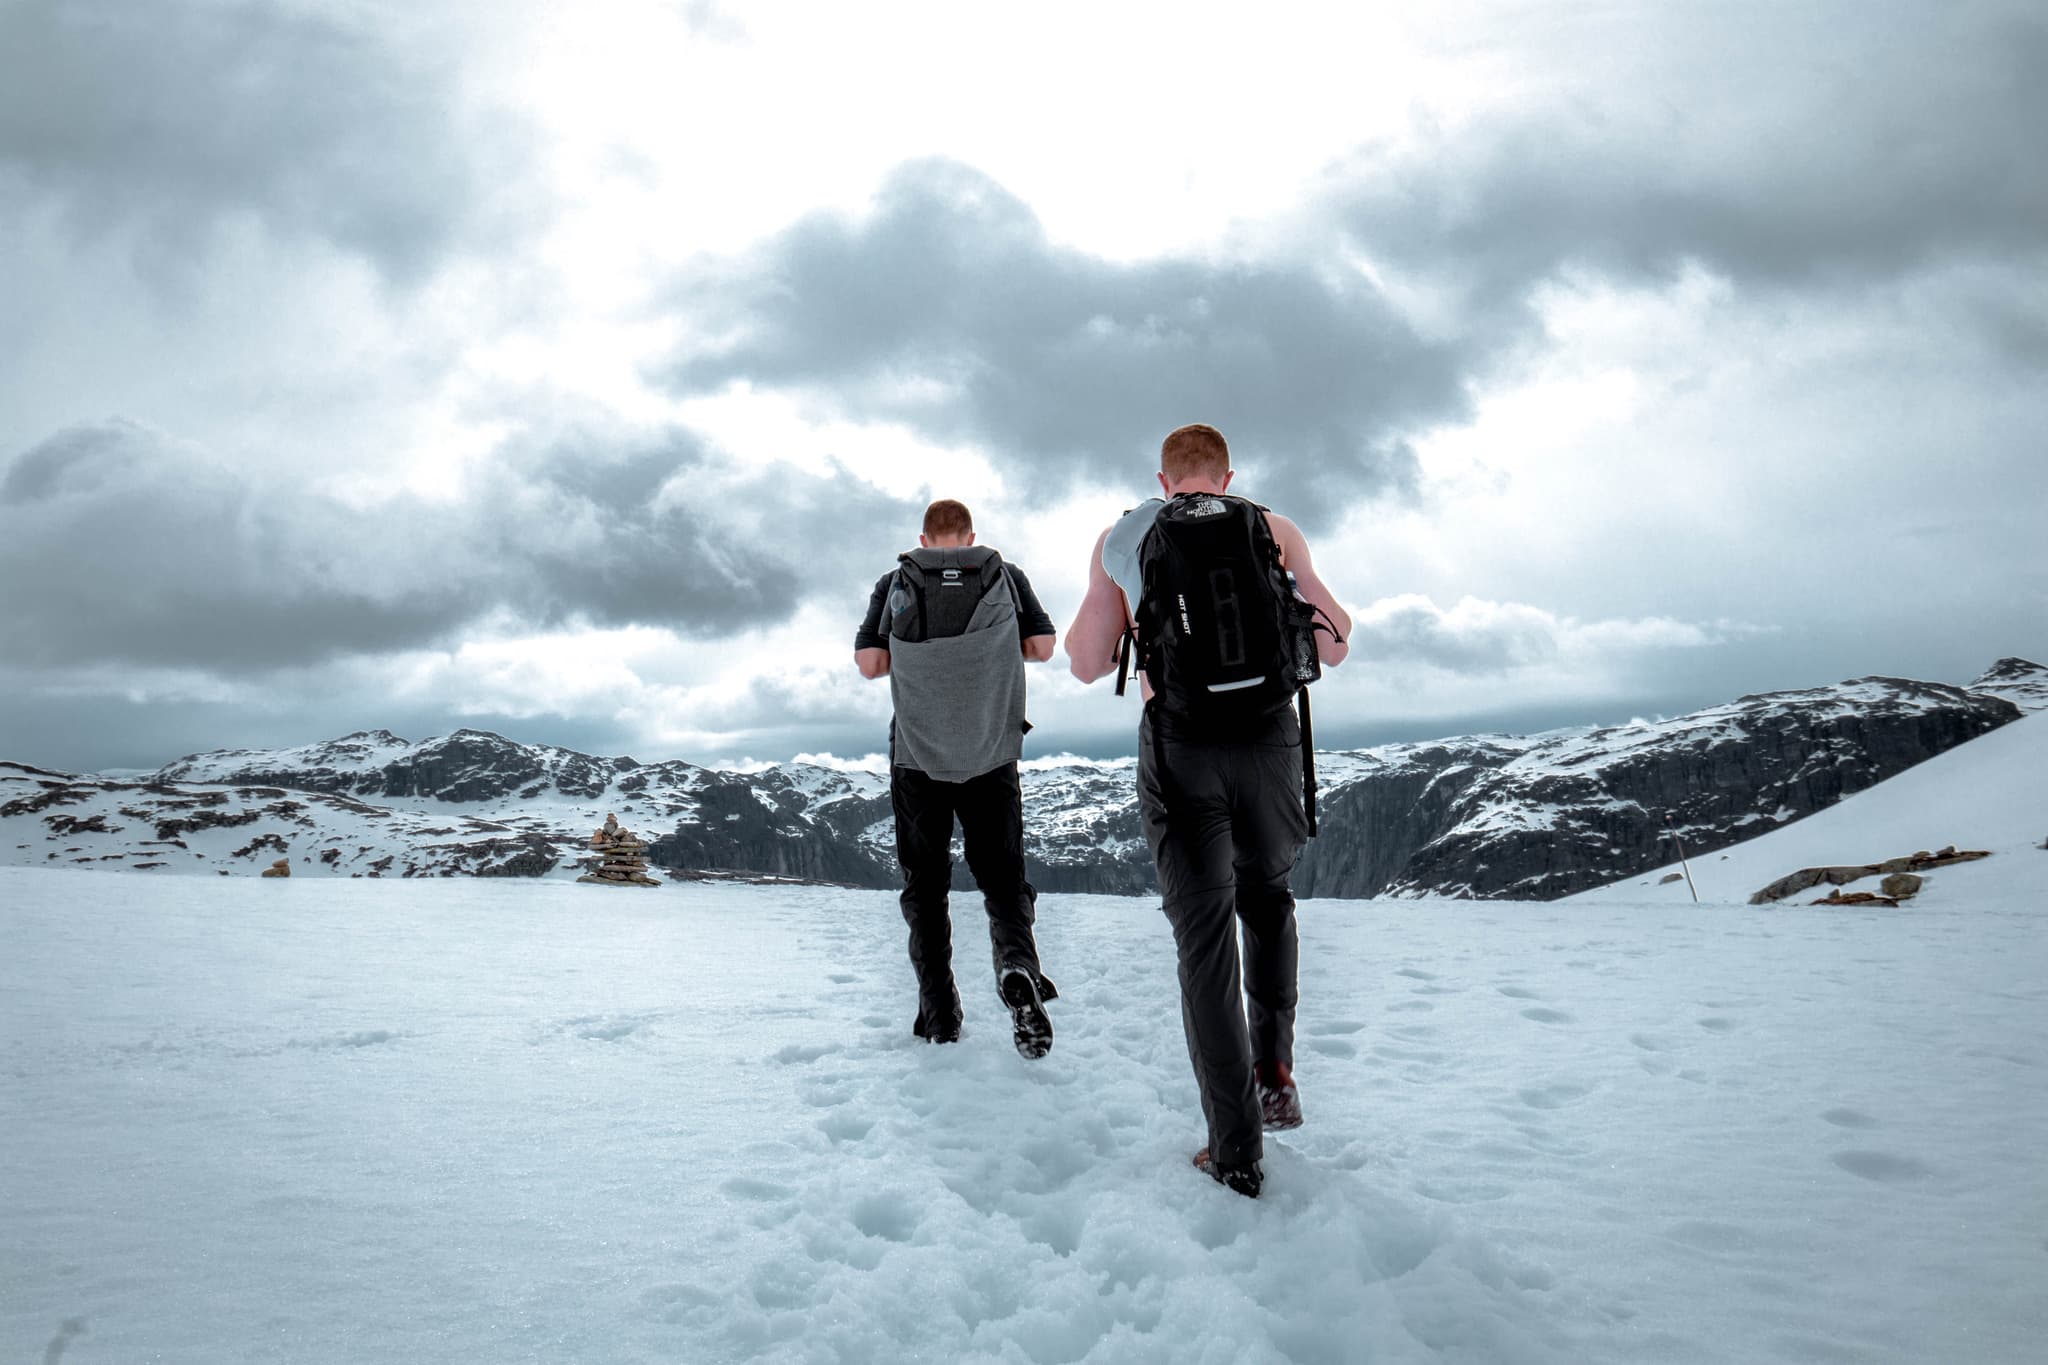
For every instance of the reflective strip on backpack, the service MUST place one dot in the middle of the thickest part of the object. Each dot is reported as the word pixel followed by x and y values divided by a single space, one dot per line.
pixel 1237 686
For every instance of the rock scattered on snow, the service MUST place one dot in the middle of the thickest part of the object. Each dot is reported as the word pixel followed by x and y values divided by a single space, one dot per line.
pixel 1894 870
pixel 281 868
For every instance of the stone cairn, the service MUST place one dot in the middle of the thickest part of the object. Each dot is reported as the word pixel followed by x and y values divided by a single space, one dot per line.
pixel 621 858
pixel 281 868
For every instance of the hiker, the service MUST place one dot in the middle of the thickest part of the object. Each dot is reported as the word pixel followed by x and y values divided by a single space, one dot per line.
pixel 1222 606
pixel 951 627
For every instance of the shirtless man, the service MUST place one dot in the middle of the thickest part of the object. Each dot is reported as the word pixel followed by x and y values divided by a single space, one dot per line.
pixel 1223 814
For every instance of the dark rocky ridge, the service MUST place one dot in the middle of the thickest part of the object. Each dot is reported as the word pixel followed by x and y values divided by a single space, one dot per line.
pixel 1488 816
pixel 1720 777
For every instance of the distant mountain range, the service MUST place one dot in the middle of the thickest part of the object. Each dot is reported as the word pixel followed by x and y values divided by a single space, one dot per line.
pixel 1491 816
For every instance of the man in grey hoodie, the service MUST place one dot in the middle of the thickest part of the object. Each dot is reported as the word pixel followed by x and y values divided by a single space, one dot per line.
pixel 951 628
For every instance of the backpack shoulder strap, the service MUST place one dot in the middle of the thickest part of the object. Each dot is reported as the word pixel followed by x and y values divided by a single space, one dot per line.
pixel 909 580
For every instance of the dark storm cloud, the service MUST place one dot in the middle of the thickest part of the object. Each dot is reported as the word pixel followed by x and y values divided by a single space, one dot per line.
pixel 1798 147
pixel 1790 148
pixel 121 545
pixel 950 310
pixel 174 117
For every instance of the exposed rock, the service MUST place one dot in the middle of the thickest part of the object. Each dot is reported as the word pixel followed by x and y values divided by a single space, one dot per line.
pixel 256 845
pixel 1899 870
pixel 281 868
pixel 1901 885
pixel 1670 877
pixel 622 858
pixel 64 826
pixel 53 794
pixel 1807 877
pixel 1857 898
pixel 206 819
pixel 2022 682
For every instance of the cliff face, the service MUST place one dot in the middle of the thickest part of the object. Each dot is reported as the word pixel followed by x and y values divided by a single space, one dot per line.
pixel 765 823
pixel 1492 816
pixel 1574 813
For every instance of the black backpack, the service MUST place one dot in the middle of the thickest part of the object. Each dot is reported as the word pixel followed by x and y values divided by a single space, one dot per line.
pixel 937 600
pixel 1222 635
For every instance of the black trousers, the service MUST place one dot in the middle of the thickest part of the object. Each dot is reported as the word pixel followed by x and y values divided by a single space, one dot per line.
pixel 990 809
pixel 1225 822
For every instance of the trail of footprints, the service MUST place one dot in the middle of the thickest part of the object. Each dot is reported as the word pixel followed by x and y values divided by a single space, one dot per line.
pixel 821 1228
pixel 1659 1054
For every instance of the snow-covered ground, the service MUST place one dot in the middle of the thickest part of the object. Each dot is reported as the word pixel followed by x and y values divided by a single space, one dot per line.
pixel 506 1120
pixel 1989 794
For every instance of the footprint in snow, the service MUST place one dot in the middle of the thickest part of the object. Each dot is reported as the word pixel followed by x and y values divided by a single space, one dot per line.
pixel 1715 1023
pixel 801 1054
pixel 845 1127
pixel 1517 993
pixel 682 1303
pixel 756 1191
pixel 1882 1167
pixel 1333 1047
pixel 887 1216
pixel 1416 974
pixel 784 1284
pixel 1553 1096
pixel 1548 1016
pixel 1848 1118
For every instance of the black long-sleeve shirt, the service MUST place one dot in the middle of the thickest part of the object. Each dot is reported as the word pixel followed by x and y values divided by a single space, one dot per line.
pixel 1031 615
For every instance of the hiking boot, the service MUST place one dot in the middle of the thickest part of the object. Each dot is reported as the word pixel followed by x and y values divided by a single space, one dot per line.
pixel 942 1028
pixel 1279 1101
pixel 1245 1178
pixel 1030 1028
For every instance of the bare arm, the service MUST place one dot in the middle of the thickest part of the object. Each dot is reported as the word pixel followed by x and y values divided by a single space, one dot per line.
pixel 1099 625
pixel 1295 558
pixel 872 663
pixel 1038 648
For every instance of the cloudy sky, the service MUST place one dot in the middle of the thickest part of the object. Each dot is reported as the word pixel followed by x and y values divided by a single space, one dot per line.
pixel 572 371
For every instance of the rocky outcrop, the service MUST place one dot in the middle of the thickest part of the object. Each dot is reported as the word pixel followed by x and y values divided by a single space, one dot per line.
pixel 1899 874
pixel 281 868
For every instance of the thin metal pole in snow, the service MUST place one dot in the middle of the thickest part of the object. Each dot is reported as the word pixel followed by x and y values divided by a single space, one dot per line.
pixel 1681 857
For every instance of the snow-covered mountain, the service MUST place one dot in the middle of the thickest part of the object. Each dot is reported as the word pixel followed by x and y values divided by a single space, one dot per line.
pixel 1990 795
pixel 2020 681
pixel 1529 817
pixel 1537 819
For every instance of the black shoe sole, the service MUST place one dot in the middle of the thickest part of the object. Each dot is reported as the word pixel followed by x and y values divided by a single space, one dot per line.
pixel 1030 1027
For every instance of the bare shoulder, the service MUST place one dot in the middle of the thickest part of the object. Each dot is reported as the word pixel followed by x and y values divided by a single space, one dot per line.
pixel 1293 545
